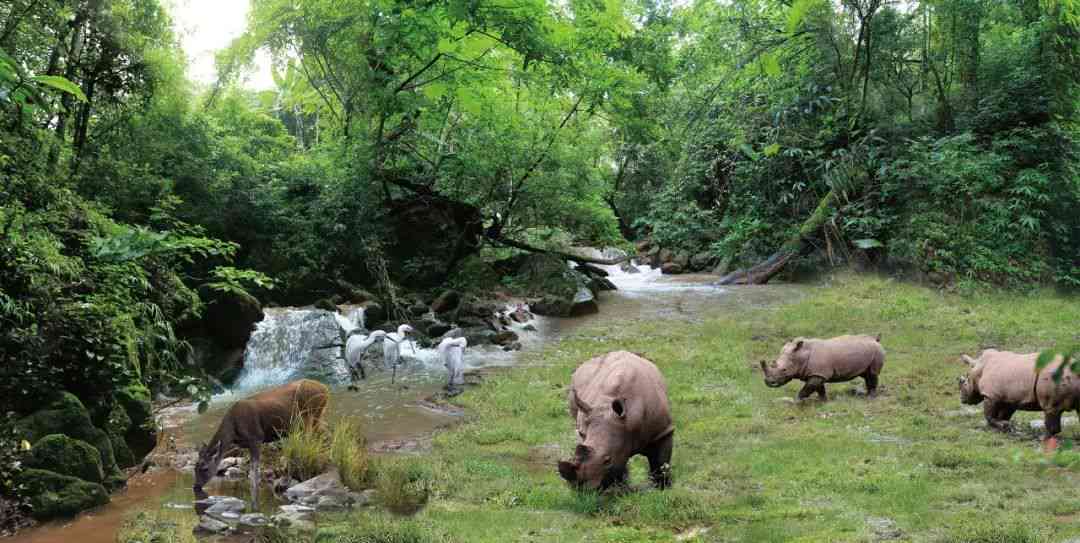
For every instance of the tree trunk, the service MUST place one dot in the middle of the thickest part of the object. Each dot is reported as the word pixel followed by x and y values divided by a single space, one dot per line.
pixel 761 273
pixel 565 256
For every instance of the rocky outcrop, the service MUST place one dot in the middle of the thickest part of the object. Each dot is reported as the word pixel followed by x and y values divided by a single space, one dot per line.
pixel 66 415
pixel 54 495
pixel 447 301
pixel 671 268
pixel 565 292
pixel 67 456
pixel 230 317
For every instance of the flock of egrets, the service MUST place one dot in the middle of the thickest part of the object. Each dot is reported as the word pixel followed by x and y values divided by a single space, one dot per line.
pixel 451 352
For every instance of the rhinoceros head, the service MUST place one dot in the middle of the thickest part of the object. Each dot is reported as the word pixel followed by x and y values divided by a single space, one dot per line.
pixel 969 384
pixel 788 365
pixel 604 447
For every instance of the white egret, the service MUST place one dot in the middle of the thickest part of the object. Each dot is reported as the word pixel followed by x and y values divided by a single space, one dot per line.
pixel 452 353
pixel 392 347
pixel 355 347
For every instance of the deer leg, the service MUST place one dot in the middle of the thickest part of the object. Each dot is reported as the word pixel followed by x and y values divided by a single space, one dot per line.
pixel 254 475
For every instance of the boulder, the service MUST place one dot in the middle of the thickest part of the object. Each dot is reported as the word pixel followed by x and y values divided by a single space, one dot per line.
pixel 252 521
pixel 117 426
pixel 54 495
pixel 591 270
pixel 600 284
pixel 520 315
pixel 141 435
pixel 211 526
pixel 504 338
pixel 671 268
pixel 427 232
pixel 665 256
pixel 682 258
pixel 700 261
pixel 326 304
pixel 515 346
pixel 66 415
pixel 447 301
pixel 295 513
pixel 225 507
pixel 231 316
pixel 629 267
pixel 584 303
pixel 435 328
pixel 325 491
pixel 67 456
pixel 644 245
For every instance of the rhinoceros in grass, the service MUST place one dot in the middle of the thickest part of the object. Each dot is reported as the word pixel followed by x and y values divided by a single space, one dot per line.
pixel 1004 382
pixel 820 361
pixel 620 404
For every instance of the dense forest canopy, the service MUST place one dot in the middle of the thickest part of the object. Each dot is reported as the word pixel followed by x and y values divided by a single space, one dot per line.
pixel 410 143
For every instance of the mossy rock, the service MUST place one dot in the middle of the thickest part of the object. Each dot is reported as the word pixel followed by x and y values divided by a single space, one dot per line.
pixel 66 415
pixel 67 456
pixel 230 317
pixel 54 495
pixel 117 426
pixel 141 436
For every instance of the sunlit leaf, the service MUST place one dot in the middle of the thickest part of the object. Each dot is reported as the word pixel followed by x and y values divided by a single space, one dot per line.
pixel 61 84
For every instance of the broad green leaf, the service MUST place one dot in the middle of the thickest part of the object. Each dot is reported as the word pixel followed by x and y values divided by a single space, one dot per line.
pixel 748 151
pixel 1045 358
pixel 771 150
pixel 771 65
pixel 797 13
pixel 61 84
pixel 868 243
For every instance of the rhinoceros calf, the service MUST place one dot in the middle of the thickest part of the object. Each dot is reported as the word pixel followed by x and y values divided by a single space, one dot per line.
pixel 820 361
pixel 1004 381
pixel 620 403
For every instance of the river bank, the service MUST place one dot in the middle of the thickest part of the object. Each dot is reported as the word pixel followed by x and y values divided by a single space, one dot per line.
pixel 912 464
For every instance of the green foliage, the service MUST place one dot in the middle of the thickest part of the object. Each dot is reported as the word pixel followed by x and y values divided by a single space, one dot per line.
pixel 348 454
pixel 403 485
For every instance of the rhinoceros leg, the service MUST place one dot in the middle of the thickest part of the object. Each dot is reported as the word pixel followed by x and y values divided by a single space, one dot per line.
pixel 1052 423
pixel 998 415
pixel 871 383
pixel 813 384
pixel 659 455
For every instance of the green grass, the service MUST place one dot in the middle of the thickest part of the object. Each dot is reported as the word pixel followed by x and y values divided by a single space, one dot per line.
pixel 749 466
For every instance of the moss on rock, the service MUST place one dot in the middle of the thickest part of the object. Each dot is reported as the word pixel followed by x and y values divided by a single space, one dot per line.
pixel 141 435
pixel 67 456
pixel 67 415
pixel 54 495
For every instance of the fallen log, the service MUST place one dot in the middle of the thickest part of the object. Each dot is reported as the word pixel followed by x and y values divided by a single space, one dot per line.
pixel 761 273
pixel 565 256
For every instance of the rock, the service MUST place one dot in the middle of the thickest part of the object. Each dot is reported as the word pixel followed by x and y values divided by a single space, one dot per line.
pixel 520 315
pixel 599 284
pixel 281 484
pixel 235 474
pixel 671 268
pixel 883 528
pixel 117 427
pixel 436 328
pixel 418 310
pixel 141 435
pixel 230 317
pixel 67 456
pixel 447 301
pixel 295 513
pixel 529 328
pixel 211 526
pixel 515 346
pixel 54 495
pixel 551 306
pixel 700 261
pixel 363 498
pixel 231 462
pixel 665 256
pixel 324 491
pixel 584 303
pixel 611 253
pixel 644 245
pixel 591 270
pixel 326 304
pixel 253 520
pixel 504 338
pixel 477 335
pixel 66 415
pixel 429 230
pixel 682 258
pixel 629 267
pixel 223 506
pixel 374 314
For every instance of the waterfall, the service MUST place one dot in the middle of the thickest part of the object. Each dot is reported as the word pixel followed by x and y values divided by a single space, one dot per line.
pixel 291 344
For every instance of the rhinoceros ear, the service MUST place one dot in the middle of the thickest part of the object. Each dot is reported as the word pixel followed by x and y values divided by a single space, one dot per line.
pixel 568 471
pixel 970 361
pixel 798 344
pixel 618 406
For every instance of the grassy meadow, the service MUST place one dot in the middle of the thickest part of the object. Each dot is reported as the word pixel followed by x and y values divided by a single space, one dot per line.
pixel 749 465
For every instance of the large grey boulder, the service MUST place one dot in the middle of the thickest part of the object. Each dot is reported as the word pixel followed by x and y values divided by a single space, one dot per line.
pixel 324 492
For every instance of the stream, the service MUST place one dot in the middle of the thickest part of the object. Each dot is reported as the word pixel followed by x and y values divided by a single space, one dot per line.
pixel 299 342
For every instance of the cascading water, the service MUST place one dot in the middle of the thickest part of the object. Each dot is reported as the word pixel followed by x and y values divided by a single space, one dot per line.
pixel 291 344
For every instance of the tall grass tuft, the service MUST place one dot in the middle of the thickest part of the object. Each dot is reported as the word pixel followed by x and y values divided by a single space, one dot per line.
pixel 305 451
pixel 349 455
pixel 403 486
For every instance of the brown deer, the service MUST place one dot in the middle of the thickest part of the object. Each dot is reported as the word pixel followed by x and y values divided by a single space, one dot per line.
pixel 261 418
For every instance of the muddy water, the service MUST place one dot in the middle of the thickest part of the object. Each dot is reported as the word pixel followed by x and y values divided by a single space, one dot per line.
pixel 395 413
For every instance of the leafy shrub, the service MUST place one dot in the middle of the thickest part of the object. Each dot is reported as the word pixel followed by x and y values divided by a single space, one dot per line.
pixel 403 485
pixel 305 452
pixel 348 453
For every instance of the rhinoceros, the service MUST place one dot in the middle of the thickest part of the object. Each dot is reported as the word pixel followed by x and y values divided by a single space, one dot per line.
pixel 1004 381
pixel 820 361
pixel 620 404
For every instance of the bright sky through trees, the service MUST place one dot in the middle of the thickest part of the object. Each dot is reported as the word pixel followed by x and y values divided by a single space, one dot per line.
pixel 206 26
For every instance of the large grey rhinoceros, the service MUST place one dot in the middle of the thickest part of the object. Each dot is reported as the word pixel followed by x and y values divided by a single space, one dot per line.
pixel 1006 382
pixel 620 403
pixel 820 361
